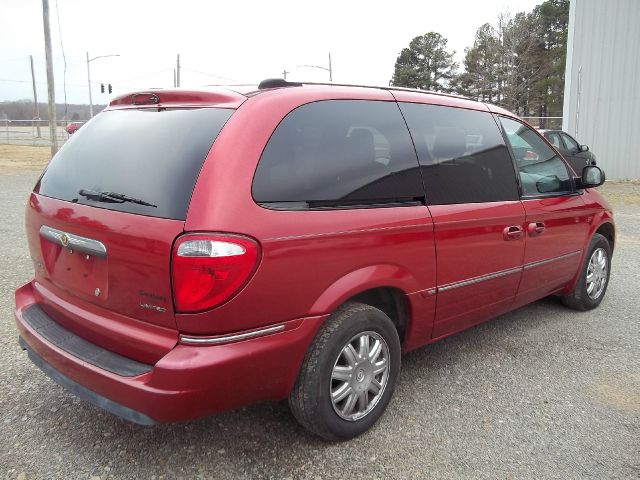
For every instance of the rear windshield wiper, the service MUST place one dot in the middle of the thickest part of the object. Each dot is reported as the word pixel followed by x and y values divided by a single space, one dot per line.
pixel 113 197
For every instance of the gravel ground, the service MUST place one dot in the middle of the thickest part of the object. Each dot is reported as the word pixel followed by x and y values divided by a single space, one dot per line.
pixel 542 392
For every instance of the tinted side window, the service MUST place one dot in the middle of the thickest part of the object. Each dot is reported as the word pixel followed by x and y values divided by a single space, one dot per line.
pixel 339 152
pixel 462 155
pixel 541 170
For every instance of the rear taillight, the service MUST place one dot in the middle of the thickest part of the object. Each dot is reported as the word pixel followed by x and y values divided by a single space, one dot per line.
pixel 209 269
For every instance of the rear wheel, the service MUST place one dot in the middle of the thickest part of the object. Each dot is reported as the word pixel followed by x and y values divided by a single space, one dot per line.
pixel 349 373
pixel 594 276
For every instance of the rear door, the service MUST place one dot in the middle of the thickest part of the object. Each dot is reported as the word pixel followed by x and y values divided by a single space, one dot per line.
pixel 473 197
pixel 556 224
pixel 102 219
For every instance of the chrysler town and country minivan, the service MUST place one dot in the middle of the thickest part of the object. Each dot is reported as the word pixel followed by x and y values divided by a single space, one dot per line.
pixel 200 250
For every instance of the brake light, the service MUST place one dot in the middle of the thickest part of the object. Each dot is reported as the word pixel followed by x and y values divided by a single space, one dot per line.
pixel 209 269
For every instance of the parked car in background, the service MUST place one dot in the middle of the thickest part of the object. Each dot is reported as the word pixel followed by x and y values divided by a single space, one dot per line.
pixel 573 152
pixel 197 251
pixel 73 127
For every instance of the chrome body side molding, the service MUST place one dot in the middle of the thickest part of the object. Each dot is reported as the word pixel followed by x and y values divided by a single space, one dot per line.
pixel 235 337
pixel 482 278
pixel 503 273
pixel 549 260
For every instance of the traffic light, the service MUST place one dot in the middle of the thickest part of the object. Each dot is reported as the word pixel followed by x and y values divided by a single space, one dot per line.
pixel 110 89
pixel 102 88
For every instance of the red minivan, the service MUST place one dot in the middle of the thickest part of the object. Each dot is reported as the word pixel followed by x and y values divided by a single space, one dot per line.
pixel 196 251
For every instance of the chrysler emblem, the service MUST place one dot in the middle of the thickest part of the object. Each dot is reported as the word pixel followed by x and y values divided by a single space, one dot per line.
pixel 64 239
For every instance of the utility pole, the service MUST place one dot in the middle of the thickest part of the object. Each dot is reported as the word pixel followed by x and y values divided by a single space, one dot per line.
pixel 174 77
pixel 89 60
pixel 50 83
pixel 330 69
pixel 36 107
pixel 178 71
pixel 89 82
pixel 284 74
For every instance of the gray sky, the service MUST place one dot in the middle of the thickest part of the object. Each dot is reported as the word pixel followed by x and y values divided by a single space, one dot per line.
pixel 240 41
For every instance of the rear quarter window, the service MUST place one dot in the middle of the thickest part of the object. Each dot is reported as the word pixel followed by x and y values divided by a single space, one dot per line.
pixel 148 154
pixel 338 152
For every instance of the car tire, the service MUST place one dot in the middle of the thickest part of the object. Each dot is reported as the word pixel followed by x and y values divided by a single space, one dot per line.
pixel 594 276
pixel 346 360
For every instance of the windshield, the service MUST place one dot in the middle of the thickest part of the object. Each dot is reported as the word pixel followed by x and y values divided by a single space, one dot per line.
pixel 151 157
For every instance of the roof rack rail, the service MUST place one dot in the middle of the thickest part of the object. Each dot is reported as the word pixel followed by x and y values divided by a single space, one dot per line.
pixel 281 82
pixel 276 83
pixel 430 92
pixel 401 89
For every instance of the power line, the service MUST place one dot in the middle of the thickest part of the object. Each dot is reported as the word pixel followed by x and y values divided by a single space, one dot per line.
pixel 142 76
pixel 15 59
pixel 39 83
pixel 19 81
pixel 212 75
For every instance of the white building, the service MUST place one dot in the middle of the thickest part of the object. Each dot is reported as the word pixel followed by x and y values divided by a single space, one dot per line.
pixel 602 83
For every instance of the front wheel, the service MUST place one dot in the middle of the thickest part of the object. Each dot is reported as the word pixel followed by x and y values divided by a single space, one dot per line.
pixel 349 373
pixel 594 276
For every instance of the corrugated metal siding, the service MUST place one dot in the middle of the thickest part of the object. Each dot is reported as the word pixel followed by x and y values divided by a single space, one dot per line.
pixel 604 41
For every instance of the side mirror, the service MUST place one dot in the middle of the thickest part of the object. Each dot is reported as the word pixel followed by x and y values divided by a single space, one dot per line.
pixel 583 148
pixel 592 176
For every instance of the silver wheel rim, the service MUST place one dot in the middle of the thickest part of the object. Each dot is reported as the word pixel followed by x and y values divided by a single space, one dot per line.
pixel 359 376
pixel 597 273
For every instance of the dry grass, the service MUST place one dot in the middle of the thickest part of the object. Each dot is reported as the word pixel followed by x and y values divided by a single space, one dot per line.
pixel 622 193
pixel 22 157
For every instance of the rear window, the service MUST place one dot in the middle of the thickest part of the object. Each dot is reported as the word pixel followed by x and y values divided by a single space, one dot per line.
pixel 149 155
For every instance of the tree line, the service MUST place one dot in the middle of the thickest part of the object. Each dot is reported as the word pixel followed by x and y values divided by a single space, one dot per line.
pixel 23 110
pixel 518 63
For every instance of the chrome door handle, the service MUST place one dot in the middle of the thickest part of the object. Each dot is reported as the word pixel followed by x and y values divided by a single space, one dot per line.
pixel 536 228
pixel 513 232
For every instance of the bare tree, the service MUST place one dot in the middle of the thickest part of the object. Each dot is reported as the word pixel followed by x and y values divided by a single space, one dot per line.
pixel 519 62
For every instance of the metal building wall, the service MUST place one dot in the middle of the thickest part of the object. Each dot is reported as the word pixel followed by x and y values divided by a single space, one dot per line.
pixel 602 83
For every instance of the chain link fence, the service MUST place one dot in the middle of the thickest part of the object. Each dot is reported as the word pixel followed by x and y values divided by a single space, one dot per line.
pixel 32 132
pixel 551 123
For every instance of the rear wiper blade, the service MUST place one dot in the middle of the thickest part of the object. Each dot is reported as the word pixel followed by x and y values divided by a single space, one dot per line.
pixel 113 197
pixel 127 198
pixel 98 197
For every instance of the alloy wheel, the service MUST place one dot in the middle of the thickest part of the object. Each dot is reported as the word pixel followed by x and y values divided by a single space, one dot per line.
pixel 359 376
pixel 597 273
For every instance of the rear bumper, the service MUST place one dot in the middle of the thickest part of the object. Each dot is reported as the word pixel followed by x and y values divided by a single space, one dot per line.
pixel 188 382
pixel 84 393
